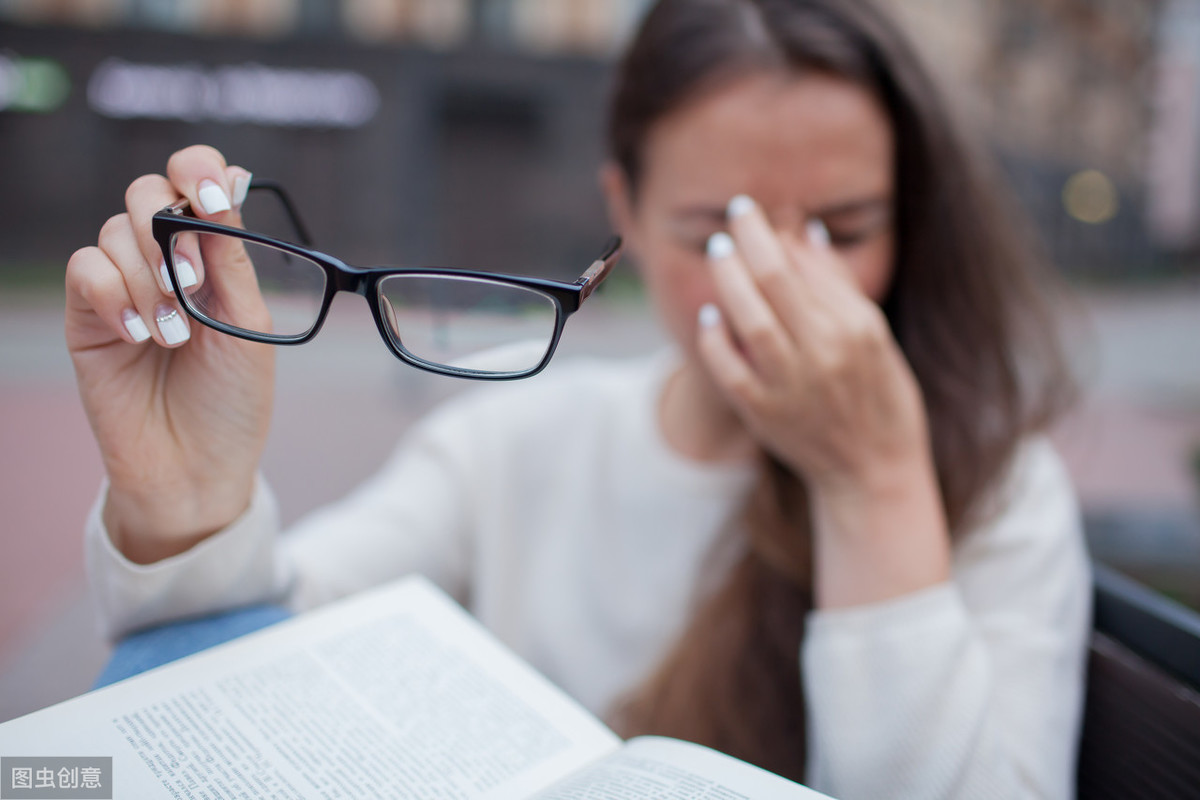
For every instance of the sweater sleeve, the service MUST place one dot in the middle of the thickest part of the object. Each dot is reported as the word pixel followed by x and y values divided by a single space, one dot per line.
pixel 410 517
pixel 969 689
pixel 233 567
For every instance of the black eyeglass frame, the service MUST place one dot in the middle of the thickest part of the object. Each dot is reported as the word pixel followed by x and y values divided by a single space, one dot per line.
pixel 567 297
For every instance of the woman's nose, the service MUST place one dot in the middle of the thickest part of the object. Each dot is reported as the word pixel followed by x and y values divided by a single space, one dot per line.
pixel 788 221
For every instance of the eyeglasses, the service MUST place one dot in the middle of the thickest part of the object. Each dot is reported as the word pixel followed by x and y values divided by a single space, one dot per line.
pixel 464 323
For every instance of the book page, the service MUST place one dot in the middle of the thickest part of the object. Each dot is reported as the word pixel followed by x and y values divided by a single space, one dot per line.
pixel 396 692
pixel 656 768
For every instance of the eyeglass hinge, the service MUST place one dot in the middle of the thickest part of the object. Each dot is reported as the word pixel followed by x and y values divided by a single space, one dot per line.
pixel 590 279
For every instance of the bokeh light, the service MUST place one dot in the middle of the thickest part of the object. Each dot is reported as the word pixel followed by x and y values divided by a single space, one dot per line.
pixel 36 85
pixel 1090 196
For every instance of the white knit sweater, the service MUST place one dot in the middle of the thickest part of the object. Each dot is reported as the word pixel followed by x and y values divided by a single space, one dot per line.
pixel 555 511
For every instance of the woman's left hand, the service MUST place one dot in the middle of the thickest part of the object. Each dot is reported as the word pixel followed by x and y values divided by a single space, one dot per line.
pixel 812 369
pixel 807 360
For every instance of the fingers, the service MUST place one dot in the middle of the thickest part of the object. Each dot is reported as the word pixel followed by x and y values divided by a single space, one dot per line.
pixel 138 290
pixel 123 280
pixel 120 287
pixel 98 306
pixel 768 261
pixel 752 321
pixel 727 366
pixel 777 297
pixel 239 181
pixel 145 197
pixel 201 175
pixel 817 235
pixel 803 357
pixel 215 191
pixel 799 277
pixel 100 309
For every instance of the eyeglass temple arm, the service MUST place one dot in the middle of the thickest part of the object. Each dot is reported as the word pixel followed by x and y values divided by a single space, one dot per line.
pixel 177 208
pixel 182 206
pixel 599 269
pixel 293 215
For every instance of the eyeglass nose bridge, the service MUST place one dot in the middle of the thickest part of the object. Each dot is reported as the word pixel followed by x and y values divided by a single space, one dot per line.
pixel 343 277
pixel 364 282
pixel 354 280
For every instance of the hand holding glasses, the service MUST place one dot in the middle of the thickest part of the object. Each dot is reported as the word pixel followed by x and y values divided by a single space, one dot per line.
pixel 462 323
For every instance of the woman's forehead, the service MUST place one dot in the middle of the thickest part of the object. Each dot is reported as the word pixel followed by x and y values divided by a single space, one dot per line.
pixel 814 139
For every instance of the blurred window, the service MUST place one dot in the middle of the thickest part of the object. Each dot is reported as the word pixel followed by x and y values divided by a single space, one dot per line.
pixel 588 27
pixel 433 23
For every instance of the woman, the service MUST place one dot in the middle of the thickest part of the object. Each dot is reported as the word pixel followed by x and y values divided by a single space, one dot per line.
pixel 822 533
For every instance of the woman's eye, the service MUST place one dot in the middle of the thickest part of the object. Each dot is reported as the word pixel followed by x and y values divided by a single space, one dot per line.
pixel 697 243
pixel 849 238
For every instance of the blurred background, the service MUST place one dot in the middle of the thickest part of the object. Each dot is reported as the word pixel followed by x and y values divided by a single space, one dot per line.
pixel 468 133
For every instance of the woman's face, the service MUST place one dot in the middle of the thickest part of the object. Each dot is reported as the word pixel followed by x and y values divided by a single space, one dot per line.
pixel 810 147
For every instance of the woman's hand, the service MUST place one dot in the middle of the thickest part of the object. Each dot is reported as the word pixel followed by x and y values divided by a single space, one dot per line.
pixel 807 359
pixel 180 411
pixel 810 366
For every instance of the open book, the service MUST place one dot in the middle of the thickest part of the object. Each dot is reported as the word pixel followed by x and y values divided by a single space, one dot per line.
pixel 395 692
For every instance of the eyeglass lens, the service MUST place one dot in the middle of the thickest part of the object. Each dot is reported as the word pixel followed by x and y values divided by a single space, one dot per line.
pixel 257 288
pixel 468 323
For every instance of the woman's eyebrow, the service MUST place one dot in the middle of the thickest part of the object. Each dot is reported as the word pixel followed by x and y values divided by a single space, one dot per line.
pixel 716 213
pixel 854 207
pixel 701 212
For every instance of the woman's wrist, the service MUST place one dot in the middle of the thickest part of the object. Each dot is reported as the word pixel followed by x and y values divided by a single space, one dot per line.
pixel 149 531
pixel 880 535
pixel 885 475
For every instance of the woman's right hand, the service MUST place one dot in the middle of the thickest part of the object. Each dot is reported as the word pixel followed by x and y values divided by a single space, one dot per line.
pixel 180 411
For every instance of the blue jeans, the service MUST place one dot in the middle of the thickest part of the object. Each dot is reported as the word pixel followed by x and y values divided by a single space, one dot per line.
pixel 156 646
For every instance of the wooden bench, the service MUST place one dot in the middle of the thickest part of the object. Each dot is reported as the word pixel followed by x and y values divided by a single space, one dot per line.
pixel 1141 728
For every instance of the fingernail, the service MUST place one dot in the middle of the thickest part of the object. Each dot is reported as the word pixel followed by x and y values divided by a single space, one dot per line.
pixel 241 185
pixel 710 315
pixel 818 234
pixel 212 198
pixel 135 325
pixel 720 245
pixel 171 325
pixel 183 270
pixel 739 205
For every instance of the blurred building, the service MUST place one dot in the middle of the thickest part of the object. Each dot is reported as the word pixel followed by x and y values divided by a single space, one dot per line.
pixel 486 115
pixel 454 132
pixel 1064 89
pixel 580 26
pixel 1173 166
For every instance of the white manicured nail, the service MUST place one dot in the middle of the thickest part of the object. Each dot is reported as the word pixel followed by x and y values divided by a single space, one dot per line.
pixel 739 205
pixel 183 269
pixel 135 325
pixel 241 185
pixel 212 198
pixel 818 234
pixel 171 325
pixel 710 315
pixel 720 245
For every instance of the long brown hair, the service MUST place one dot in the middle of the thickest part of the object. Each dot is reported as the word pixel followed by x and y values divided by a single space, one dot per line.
pixel 963 306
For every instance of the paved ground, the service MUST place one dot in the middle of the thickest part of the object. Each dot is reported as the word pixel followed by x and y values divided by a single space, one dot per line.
pixel 1127 447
